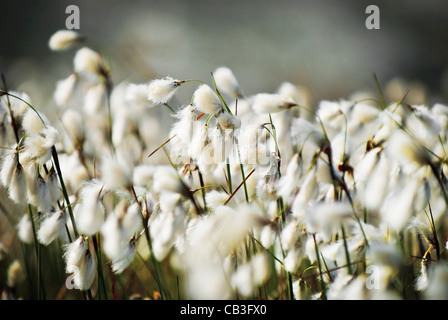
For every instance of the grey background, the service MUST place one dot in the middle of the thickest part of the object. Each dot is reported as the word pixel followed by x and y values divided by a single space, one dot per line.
pixel 322 44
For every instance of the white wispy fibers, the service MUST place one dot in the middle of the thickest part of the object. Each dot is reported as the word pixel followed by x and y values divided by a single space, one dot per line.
pixel 210 241
pixel 307 194
pixel 25 229
pixel 116 173
pixel 33 122
pixel 249 276
pixel 162 90
pixel 37 146
pixel 120 263
pixel 137 95
pixel 18 106
pixel 74 253
pixel 115 240
pixel 51 226
pixel 17 184
pixel 437 280
pixel 167 226
pixel 215 198
pixel 407 151
pixel 205 100
pixel 73 124
pixel 85 275
pixel 288 185
pixel 386 259
pixel 399 205
pixel 264 103
pixel 166 179
pixel 326 218
pixel 95 100
pixel 303 131
pixel 65 90
pixel 182 133
pixel 9 163
pixel 64 39
pixel 376 186
pixel 229 121
pixel 423 125
pixel 226 82
pixel 143 174
pixel 90 212
pixel 88 61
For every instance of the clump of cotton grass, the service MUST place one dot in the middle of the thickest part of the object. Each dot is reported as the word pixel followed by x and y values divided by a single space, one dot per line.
pixel 263 197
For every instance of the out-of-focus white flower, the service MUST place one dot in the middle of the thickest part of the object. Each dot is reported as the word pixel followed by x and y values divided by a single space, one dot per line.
pixel 264 103
pixel 227 82
pixel 406 151
pixel 14 274
pixel 25 229
pixel 124 260
pixel 162 90
pixel 205 100
pixel 84 276
pixel 88 61
pixel 166 179
pixel 64 39
pixel 74 125
pixel 34 123
pixel 19 107
pixel 215 198
pixel 65 89
pixel 73 254
pixel 116 173
pixel 325 218
pixel 51 226
pixel 95 100
pixel 90 212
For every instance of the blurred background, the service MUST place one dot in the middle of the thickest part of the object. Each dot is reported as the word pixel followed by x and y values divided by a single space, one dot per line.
pixel 322 45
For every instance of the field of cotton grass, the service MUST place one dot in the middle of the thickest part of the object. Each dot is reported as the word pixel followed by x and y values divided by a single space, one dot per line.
pixel 248 197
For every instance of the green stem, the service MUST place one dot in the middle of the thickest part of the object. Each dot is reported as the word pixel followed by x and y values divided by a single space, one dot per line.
pixel 64 189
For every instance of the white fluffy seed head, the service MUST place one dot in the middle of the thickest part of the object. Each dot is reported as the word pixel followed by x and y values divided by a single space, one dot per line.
pixel 25 229
pixel 137 94
pixel 95 100
pixel 17 186
pixel 88 61
pixel 32 123
pixel 65 89
pixel 73 254
pixel 15 274
pixel 227 82
pixel 19 107
pixel 205 100
pixel 90 212
pixel 162 90
pixel 64 39
pixel 51 227
pixel 74 126
pixel 116 173
pixel 84 276
pixel 120 263
pixel 9 163
pixel 229 121
pixel 264 103
pixel 166 179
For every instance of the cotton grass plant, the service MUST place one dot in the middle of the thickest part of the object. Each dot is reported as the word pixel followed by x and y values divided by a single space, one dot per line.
pixel 248 197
